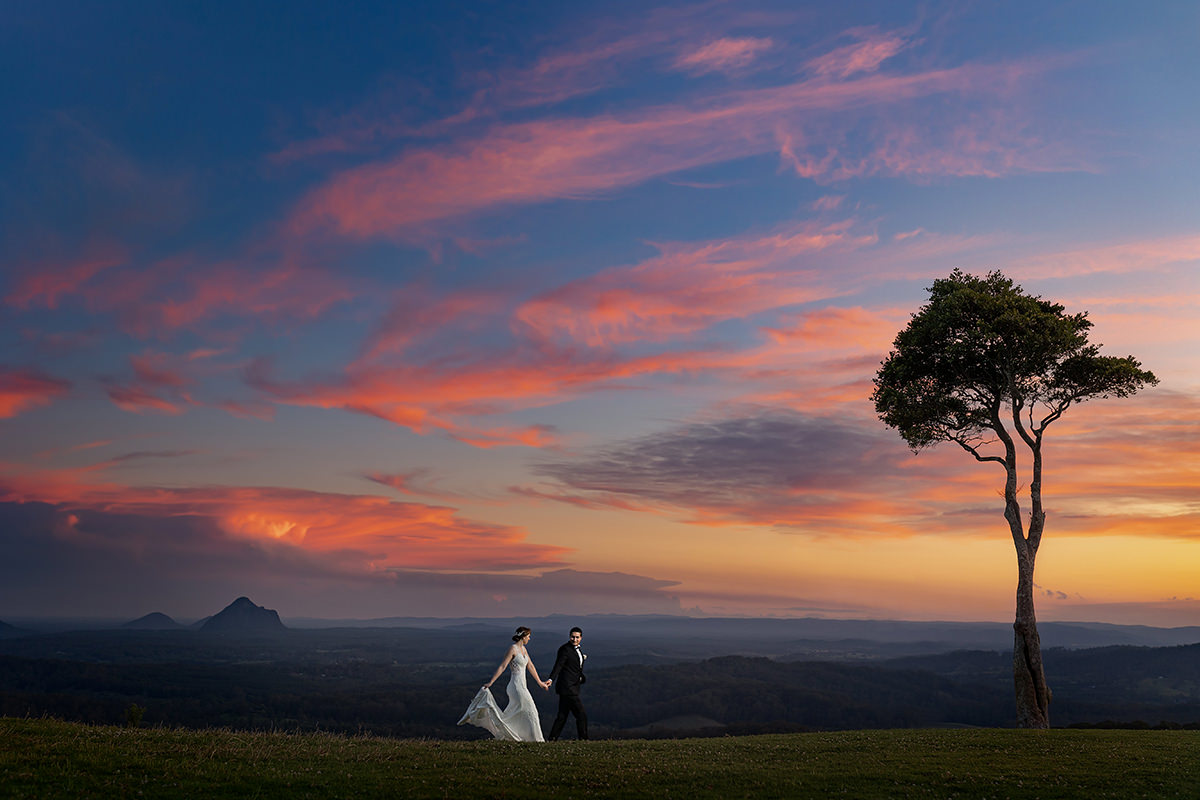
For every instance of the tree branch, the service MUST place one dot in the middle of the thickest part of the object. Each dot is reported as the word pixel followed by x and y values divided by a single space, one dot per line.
pixel 966 446
pixel 1019 424
pixel 1061 407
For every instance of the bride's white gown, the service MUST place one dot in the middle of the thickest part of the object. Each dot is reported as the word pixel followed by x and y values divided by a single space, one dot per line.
pixel 519 721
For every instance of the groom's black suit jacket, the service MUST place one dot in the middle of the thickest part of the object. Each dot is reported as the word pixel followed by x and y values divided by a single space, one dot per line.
pixel 568 672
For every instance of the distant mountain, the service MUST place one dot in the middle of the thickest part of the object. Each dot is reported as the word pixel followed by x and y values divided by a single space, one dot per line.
pixel 10 630
pixel 791 638
pixel 242 616
pixel 155 621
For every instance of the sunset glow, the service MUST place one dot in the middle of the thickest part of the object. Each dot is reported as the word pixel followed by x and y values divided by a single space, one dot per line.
pixel 488 306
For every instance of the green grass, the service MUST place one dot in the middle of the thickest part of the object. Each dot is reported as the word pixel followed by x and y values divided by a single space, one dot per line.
pixel 47 758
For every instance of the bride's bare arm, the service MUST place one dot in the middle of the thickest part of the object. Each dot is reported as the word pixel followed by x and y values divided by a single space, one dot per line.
pixel 507 658
pixel 533 671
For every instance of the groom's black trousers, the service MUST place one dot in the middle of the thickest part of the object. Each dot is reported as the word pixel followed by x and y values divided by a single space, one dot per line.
pixel 569 704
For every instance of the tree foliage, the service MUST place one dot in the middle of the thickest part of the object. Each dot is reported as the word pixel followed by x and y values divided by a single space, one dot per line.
pixel 980 347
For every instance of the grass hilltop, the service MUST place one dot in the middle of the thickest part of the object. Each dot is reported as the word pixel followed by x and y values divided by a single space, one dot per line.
pixel 47 758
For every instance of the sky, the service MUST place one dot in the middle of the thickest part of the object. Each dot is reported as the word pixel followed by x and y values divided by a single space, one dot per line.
pixel 499 309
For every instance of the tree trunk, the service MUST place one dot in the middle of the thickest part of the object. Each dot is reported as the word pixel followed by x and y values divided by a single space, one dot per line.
pixel 1029 680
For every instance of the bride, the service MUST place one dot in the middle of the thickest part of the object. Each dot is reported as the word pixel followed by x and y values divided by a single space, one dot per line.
pixel 519 721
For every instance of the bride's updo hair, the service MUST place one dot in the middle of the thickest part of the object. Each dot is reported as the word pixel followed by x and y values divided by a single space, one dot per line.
pixel 521 633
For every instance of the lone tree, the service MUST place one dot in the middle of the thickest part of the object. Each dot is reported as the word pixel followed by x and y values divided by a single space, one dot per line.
pixel 986 366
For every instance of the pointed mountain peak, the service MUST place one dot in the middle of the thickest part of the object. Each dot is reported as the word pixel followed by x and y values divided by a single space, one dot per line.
pixel 243 616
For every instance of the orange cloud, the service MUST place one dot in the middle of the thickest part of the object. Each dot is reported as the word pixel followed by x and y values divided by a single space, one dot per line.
pixel 832 329
pixel 437 396
pixel 687 287
pixel 23 389
pixel 364 533
pixel 416 482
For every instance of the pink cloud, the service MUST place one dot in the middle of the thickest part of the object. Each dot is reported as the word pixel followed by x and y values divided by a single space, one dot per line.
pixel 574 158
pixel 158 299
pixel 865 55
pixel 1119 257
pixel 284 291
pixel 44 284
pixel 138 399
pixel 444 395
pixel 418 314
pixel 608 54
pixel 157 385
pixel 828 203
pixel 730 54
pixel 25 389
pixel 416 482
pixel 166 383
pixel 832 329
pixel 687 288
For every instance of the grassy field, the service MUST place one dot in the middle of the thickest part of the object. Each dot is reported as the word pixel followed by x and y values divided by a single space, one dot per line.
pixel 46 758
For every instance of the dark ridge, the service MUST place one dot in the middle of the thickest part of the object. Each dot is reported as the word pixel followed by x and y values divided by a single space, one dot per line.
pixel 10 630
pixel 154 621
pixel 243 616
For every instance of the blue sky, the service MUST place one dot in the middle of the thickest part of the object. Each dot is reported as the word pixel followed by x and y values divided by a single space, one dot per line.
pixel 385 309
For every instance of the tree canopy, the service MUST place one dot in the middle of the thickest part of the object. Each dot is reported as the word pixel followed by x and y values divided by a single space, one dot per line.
pixel 980 345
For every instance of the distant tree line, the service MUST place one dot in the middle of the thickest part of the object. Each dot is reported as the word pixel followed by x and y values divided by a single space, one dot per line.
pixel 1133 686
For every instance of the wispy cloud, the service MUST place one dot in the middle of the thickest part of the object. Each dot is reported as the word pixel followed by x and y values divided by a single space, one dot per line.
pixel 548 159
pixel 689 287
pixel 22 389
pixel 43 284
pixel 729 54
pixel 443 396
pixel 609 53
pixel 865 55
pixel 157 299
pixel 416 483
pixel 1115 257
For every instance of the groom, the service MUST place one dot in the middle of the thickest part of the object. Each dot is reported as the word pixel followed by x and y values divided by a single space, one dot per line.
pixel 567 676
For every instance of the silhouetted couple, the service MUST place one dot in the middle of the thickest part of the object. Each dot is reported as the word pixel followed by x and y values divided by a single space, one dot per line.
pixel 519 721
